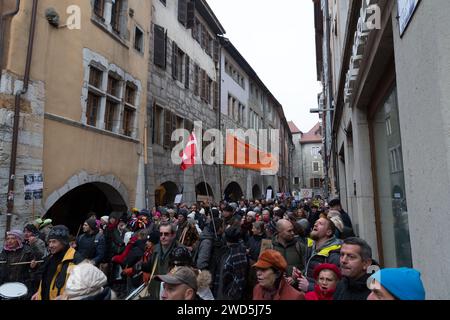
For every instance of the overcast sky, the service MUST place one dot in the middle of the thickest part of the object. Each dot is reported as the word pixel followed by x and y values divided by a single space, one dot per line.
pixel 277 39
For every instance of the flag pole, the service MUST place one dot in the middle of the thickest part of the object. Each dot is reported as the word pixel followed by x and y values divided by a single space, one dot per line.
pixel 206 187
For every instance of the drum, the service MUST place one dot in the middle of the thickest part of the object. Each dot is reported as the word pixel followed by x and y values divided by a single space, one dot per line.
pixel 13 291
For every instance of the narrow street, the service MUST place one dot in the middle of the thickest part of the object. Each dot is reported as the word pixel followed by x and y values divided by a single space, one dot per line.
pixel 224 150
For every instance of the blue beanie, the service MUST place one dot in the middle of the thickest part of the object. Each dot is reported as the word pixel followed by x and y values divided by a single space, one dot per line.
pixel 403 283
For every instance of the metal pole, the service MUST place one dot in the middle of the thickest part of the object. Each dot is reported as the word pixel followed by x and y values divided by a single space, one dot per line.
pixel 15 138
pixel 329 94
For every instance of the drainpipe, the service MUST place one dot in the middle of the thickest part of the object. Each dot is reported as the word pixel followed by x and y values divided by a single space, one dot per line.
pixel 26 79
pixel 2 30
pixel 329 96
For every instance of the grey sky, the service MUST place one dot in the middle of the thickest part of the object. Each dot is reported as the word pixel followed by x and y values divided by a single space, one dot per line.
pixel 277 39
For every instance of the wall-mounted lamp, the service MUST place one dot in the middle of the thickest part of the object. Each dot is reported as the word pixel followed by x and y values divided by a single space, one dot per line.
pixel 52 17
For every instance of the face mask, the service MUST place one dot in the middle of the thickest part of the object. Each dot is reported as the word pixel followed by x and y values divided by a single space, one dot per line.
pixel 266 219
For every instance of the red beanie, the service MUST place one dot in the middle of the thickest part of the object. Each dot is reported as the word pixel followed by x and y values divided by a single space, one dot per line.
pixel 327 266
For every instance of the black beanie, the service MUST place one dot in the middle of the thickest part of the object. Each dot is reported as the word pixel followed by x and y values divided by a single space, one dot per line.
pixel 233 234
pixel 31 228
pixel 153 237
pixel 60 233
pixel 92 223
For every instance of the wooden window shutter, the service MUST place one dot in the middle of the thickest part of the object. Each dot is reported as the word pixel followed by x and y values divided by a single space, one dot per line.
pixel 154 123
pixel 311 182
pixel 203 84
pixel 194 30
pixel 182 11
pixel 174 60
pixel 216 51
pixel 216 96
pixel 204 37
pixel 174 127
pixel 190 15
pixel 167 128
pixel 187 77
pixel 159 57
pixel 196 80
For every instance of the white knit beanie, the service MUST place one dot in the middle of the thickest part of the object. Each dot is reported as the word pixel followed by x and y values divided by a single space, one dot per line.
pixel 85 280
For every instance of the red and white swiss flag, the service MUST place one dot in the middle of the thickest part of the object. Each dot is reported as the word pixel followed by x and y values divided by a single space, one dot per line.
pixel 189 153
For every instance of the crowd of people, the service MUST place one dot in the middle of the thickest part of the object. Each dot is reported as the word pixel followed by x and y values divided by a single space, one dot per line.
pixel 251 249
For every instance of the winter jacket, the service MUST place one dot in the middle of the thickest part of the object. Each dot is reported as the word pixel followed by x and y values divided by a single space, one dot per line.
pixel 318 294
pixel 329 252
pixel 17 273
pixel 162 266
pixel 347 223
pixel 203 252
pixel 230 279
pixel 38 248
pixel 284 292
pixel 114 242
pixel 254 247
pixel 294 253
pixel 135 255
pixel 92 247
pixel 348 289
pixel 56 281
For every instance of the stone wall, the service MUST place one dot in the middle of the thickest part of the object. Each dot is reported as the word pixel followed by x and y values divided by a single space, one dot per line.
pixel 30 147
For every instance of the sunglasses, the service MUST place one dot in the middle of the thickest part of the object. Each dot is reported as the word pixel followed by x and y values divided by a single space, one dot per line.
pixel 164 234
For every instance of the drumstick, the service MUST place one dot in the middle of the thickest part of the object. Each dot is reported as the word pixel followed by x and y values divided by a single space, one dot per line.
pixel 28 262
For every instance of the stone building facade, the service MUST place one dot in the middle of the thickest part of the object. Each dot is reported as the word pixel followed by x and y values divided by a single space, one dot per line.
pixel 307 170
pixel 390 128
pixel 82 119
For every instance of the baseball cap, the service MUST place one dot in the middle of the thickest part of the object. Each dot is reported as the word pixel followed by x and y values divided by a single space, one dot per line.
pixel 180 275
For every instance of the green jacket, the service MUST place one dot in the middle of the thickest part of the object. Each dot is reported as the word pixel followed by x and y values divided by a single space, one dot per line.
pixel 294 253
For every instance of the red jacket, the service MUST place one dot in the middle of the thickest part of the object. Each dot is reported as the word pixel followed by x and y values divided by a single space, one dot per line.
pixel 318 294
pixel 284 292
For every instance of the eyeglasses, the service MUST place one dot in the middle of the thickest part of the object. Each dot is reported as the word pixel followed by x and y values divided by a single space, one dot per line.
pixel 164 234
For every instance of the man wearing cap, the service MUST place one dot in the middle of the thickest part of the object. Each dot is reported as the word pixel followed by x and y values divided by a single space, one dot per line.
pixel 179 284
pixel 57 266
pixel 272 285
pixel 14 251
pixel 396 284
pixel 91 244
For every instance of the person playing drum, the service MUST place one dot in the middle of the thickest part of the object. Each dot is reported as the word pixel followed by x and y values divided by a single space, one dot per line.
pixel 13 258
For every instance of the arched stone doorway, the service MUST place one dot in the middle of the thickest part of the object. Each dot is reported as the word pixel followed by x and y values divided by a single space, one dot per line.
pixel 200 190
pixel 256 192
pixel 74 206
pixel 165 193
pixel 233 192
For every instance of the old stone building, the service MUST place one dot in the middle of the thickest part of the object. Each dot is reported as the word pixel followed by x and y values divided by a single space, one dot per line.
pixel 389 131
pixel 184 88
pixel 82 117
pixel 307 160
pixel 195 72
pixel 246 103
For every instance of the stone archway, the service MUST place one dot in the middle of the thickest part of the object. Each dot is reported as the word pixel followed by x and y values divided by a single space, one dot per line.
pixel 84 193
pixel 165 193
pixel 233 192
pixel 256 192
pixel 200 190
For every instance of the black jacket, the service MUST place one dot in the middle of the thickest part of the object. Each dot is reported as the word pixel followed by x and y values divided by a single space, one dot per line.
pixel 348 289
pixel 92 247
pixel 136 253
pixel 254 247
